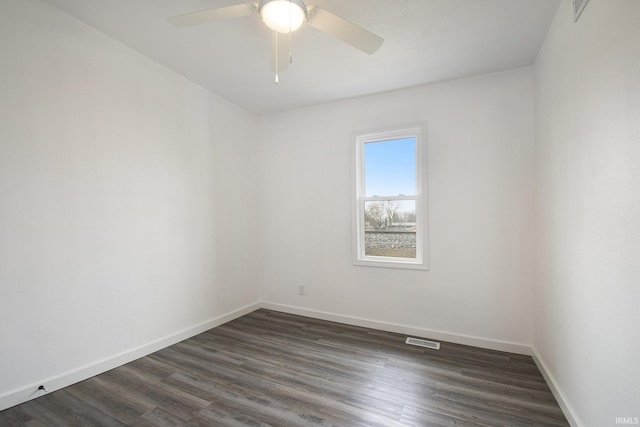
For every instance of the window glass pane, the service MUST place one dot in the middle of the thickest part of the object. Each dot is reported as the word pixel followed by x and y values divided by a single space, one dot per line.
pixel 390 228
pixel 390 167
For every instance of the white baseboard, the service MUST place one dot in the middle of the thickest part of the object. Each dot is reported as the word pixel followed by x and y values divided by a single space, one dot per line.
pixel 57 382
pixel 403 329
pixel 561 398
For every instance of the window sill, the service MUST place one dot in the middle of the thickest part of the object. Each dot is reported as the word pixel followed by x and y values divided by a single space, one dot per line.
pixel 384 262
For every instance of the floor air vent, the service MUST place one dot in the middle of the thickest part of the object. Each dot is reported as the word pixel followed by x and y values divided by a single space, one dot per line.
pixel 423 343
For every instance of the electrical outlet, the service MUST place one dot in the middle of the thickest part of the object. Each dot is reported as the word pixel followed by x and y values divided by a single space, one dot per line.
pixel 301 290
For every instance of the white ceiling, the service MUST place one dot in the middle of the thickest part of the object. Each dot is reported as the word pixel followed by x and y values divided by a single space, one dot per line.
pixel 425 41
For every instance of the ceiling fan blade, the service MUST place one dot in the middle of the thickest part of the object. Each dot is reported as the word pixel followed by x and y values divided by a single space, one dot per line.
pixel 344 30
pixel 281 54
pixel 211 15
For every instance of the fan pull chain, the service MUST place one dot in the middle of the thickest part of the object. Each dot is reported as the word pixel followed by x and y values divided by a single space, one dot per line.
pixel 277 80
pixel 290 36
pixel 290 48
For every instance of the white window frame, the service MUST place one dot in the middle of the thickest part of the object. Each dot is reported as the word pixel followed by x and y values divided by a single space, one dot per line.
pixel 359 139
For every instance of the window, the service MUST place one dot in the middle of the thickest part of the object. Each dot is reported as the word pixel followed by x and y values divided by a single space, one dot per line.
pixel 390 200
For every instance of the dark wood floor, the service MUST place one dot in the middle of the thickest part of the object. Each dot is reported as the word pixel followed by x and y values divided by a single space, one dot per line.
pixel 270 368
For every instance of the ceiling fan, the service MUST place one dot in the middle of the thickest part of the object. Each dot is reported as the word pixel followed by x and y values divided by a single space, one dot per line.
pixel 285 17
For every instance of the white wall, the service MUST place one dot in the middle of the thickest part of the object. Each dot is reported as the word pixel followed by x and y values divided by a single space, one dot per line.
pixel 127 203
pixel 480 147
pixel 587 216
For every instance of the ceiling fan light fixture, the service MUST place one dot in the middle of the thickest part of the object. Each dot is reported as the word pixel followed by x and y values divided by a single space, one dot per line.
pixel 283 16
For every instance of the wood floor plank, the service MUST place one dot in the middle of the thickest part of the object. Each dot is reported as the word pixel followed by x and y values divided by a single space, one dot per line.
pixel 276 369
pixel 96 393
pixel 158 417
pixel 36 411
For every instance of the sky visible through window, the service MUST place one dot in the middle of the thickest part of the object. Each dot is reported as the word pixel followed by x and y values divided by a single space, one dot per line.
pixel 390 167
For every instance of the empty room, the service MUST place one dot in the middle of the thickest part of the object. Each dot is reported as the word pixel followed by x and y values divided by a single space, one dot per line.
pixel 320 213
